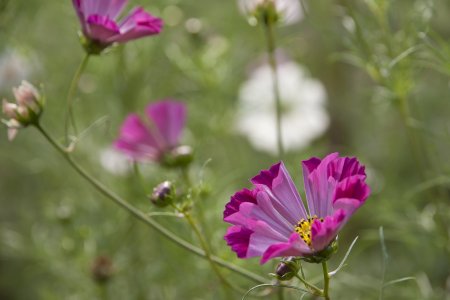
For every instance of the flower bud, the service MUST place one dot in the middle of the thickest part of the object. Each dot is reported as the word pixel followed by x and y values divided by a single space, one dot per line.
pixel 287 268
pixel 163 194
pixel 27 109
pixel 102 269
pixel 180 156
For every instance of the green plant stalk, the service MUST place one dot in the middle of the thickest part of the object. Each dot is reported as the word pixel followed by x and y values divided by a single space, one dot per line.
pixel 69 116
pixel 271 46
pixel 310 286
pixel 205 247
pixel 143 217
pixel 326 281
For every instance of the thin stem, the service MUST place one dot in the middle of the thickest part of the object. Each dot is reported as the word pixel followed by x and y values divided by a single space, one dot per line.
pixel 143 217
pixel 271 46
pixel 205 247
pixel 69 116
pixel 326 281
pixel 310 286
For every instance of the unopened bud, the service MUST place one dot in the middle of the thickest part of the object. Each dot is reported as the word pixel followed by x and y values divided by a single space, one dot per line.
pixel 180 156
pixel 27 109
pixel 163 194
pixel 102 269
pixel 287 268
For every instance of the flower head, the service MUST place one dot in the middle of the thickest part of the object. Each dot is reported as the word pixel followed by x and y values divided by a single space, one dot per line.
pixel 279 11
pixel 271 221
pixel 101 26
pixel 305 117
pixel 156 137
pixel 27 109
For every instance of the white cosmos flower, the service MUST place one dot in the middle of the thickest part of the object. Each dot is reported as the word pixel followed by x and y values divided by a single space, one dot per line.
pixel 115 162
pixel 304 116
pixel 290 11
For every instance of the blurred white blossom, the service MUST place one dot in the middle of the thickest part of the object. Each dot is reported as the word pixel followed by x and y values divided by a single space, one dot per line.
pixel 289 11
pixel 14 67
pixel 115 162
pixel 303 108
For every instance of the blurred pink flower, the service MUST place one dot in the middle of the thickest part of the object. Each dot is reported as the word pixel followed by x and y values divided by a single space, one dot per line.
pixel 100 24
pixel 271 221
pixel 151 139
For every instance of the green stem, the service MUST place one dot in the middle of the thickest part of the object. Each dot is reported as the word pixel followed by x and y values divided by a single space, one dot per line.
pixel 69 116
pixel 326 281
pixel 271 45
pixel 310 286
pixel 143 217
pixel 205 247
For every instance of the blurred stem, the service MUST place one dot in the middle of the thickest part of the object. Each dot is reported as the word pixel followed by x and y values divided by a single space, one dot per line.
pixel 143 217
pixel 205 247
pixel 271 46
pixel 69 116
pixel 326 281
pixel 310 286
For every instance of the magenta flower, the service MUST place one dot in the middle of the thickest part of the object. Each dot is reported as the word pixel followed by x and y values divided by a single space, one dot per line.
pixel 100 24
pixel 151 139
pixel 271 221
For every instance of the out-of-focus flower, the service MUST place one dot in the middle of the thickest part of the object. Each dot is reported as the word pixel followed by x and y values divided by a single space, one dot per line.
pixel 304 116
pixel 102 269
pixel 279 11
pixel 115 162
pixel 27 109
pixel 101 27
pixel 13 68
pixel 156 137
pixel 271 221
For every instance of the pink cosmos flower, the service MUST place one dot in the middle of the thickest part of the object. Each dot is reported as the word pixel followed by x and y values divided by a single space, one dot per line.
pixel 150 139
pixel 270 220
pixel 99 21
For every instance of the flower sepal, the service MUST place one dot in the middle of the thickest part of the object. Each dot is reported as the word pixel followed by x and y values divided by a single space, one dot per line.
pixel 91 46
pixel 323 255
pixel 267 13
pixel 179 157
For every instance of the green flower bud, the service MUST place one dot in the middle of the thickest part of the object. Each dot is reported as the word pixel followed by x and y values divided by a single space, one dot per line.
pixel 287 268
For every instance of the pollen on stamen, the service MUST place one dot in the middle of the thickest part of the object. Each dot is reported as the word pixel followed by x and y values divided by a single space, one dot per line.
pixel 303 228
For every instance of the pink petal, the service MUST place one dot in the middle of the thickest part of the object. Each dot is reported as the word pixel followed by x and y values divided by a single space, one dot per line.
pixel 135 140
pixel 238 238
pixel 284 195
pixel 294 247
pixel 168 118
pixel 323 233
pixel 101 28
pixel 138 24
pixel 244 195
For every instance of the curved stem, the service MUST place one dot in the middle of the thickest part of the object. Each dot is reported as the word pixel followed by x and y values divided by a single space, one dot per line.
pixel 69 116
pixel 271 45
pixel 143 217
pixel 326 281
pixel 310 286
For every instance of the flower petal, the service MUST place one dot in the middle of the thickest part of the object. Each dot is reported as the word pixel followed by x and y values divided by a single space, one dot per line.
pixel 238 238
pixel 323 233
pixel 137 24
pixel 168 118
pixel 136 141
pixel 294 247
pixel 101 28
pixel 284 195
pixel 244 195
pixel 351 193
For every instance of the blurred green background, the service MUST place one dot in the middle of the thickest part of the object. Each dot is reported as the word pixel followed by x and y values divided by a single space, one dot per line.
pixel 53 225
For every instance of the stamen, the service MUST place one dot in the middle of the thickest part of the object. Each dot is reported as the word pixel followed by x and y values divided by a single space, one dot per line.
pixel 303 228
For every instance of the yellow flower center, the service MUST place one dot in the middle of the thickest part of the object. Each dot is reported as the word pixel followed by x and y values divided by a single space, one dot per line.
pixel 303 228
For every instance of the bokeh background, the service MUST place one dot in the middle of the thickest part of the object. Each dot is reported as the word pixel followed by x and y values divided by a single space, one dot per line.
pixel 53 225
